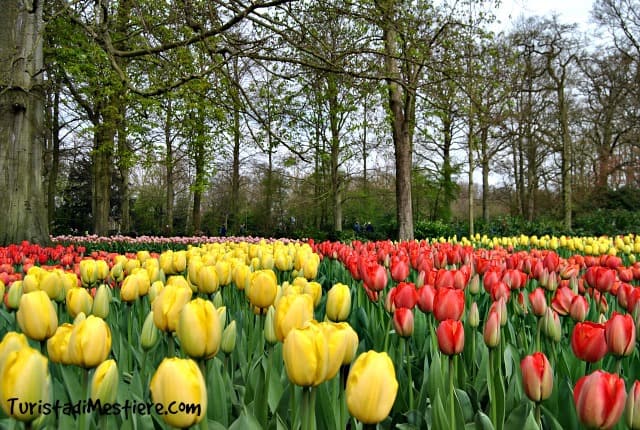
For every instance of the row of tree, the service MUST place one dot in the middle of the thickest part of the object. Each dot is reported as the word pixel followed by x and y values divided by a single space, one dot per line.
pixel 269 116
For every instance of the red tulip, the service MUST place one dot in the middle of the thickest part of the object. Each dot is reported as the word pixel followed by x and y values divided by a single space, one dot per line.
pixel 579 308
pixel 403 321
pixel 444 279
pixel 448 303
pixel 375 277
pixel 620 334
pixel 538 302
pixel 492 329
pixel 405 295
pixel 562 300
pixel 551 261
pixel 588 341
pixel 632 408
pixel 450 334
pixel 500 290
pixel 399 268
pixel 426 294
pixel 599 399
pixel 537 376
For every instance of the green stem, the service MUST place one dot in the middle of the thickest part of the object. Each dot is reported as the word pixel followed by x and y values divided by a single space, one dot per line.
pixel 538 330
pixel 473 354
pixel 129 336
pixel 171 347
pixel 407 350
pixel 85 392
pixel 306 408
pixel 490 380
pixel 344 370
pixel 537 413
pixel 618 368
pixel 452 392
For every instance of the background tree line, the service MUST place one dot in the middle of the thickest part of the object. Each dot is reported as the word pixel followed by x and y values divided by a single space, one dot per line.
pixel 302 118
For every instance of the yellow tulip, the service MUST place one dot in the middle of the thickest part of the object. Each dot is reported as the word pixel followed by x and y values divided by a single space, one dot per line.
pixel 191 391
pixel 31 282
pixel 58 344
pixel 266 262
pixel 129 291
pixel 314 289
pixel 25 377
pixel 310 266
pixel 337 345
pixel 117 272
pixel 338 302
pixel 306 355
pixel 143 256
pixel 263 288
pixel 102 270
pixel 88 272
pixel 242 276
pixel 371 387
pixel 223 269
pixel 166 262
pixel 79 300
pixel 102 302
pixel 199 329
pixel 90 342
pixel 14 294
pixel 36 315
pixel 12 341
pixel 292 311
pixel 179 261
pixel 155 290
pixel 228 343
pixel 150 334
pixel 130 265
pixel 52 283
pixel 207 280
pixel 269 326
pixel 144 282
pixel 352 341
pixel 283 261
pixel 104 384
pixel 168 304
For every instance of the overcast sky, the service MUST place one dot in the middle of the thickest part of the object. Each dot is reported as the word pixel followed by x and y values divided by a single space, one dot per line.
pixel 569 11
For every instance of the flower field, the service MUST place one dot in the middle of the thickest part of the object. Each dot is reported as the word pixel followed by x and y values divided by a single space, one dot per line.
pixel 249 333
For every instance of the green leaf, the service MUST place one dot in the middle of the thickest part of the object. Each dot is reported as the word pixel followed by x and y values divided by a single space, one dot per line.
pixel 435 382
pixel 483 422
pixel 245 421
pixel 464 402
pixel 218 403
pixel 439 418
pixel 518 416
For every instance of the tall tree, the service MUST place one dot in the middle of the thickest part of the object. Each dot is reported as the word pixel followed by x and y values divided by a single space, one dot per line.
pixel 22 98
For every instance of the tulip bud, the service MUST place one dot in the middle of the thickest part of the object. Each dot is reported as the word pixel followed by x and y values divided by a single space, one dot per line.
pixel 150 333
pixel 14 294
pixel 222 314
pixel 191 391
pixel 337 343
pixel 352 341
pixel 537 376
pixel 117 272
pixel 24 376
pixel 474 284
pixel 36 315
pixel 450 334
pixel 2 289
pixel 217 300
pixel 474 315
pixel 58 344
pixel 269 326
pixel 620 334
pixel 129 290
pixel 551 325
pixel 101 302
pixel 199 329
pixel 90 342
pixel 371 387
pixel 79 318
pixel 492 329
pixel 229 334
pixel 338 303
pixel 79 300
pixel 632 407
pixel 403 322
pixel 102 270
pixel 104 384
pixel 88 272
pixel 52 283
pixel 579 308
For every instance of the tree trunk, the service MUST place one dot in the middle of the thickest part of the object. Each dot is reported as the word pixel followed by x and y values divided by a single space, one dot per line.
pixel 401 104
pixel 334 110
pixel 485 173
pixel 124 164
pixel 168 163
pixel 567 151
pixel 21 124
pixel 102 156
pixel 54 160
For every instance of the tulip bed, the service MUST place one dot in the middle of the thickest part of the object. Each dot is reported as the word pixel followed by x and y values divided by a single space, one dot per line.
pixel 245 333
